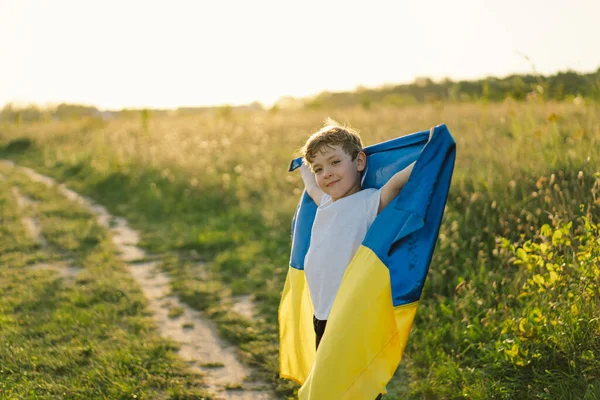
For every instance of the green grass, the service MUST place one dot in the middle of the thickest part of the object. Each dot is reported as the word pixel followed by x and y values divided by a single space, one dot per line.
pixel 211 194
pixel 175 312
pixel 213 365
pixel 89 337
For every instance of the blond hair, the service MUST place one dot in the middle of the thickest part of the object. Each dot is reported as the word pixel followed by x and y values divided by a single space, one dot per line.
pixel 332 134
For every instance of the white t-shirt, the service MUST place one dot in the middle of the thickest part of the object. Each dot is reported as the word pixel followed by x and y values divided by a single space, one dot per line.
pixel 337 232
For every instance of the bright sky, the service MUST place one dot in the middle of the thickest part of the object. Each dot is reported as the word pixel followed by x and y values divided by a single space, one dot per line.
pixel 167 54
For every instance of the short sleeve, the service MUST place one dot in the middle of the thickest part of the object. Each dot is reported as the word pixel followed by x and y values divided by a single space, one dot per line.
pixel 372 205
pixel 325 199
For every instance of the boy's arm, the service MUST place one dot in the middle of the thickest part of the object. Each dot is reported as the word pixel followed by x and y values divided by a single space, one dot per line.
pixel 310 183
pixel 393 186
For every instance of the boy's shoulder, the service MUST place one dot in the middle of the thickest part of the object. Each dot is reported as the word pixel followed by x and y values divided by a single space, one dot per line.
pixel 367 193
pixel 362 196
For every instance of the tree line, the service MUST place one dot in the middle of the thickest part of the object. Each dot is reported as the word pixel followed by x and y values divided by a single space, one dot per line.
pixel 559 87
pixel 562 86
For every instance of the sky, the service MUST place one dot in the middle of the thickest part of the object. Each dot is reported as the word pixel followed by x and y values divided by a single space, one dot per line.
pixel 166 54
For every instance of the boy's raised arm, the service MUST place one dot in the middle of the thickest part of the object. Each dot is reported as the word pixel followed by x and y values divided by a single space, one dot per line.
pixel 310 183
pixel 393 186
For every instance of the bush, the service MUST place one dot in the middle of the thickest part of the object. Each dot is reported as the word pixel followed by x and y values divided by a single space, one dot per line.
pixel 554 331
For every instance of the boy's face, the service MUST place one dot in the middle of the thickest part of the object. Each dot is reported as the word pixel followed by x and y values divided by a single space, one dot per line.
pixel 336 173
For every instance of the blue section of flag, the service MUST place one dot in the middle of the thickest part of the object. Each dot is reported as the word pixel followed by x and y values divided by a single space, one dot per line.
pixel 404 234
pixel 301 230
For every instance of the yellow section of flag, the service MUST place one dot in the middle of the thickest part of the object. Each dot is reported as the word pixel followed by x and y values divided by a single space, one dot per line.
pixel 364 339
pixel 296 332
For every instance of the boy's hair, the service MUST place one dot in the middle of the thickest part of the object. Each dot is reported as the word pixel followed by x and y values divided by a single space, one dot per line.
pixel 332 134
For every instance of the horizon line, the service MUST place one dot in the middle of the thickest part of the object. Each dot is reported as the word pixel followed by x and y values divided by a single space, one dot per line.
pixel 263 104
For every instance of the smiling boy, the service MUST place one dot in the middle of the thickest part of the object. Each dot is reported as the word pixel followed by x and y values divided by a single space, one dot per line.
pixel 334 161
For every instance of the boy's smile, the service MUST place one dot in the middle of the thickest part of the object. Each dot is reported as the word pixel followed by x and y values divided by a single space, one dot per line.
pixel 336 173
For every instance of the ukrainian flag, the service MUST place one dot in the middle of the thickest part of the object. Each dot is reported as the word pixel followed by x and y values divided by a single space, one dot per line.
pixel 374 309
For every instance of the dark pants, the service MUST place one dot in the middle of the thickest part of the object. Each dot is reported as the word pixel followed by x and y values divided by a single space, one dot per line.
pixel 319 329
pixel 319 326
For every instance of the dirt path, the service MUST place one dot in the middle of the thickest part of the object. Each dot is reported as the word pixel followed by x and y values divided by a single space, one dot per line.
pixel 31 222
pixel 200 345
pixel 64 268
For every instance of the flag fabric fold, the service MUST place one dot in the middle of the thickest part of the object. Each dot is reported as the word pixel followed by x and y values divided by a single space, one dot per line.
pixel 374 308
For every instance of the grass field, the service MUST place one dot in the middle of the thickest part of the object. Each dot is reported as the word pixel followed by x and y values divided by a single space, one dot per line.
pixel 72 324
pixel 510 306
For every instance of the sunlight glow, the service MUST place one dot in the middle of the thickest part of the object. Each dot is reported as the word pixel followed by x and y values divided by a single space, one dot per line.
pixel 161 54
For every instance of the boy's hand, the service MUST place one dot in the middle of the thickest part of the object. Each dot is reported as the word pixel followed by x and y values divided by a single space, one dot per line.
pixel 306 174
pixel 310 183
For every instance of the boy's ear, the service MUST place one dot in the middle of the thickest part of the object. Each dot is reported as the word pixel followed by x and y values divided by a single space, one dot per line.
pixel 361 161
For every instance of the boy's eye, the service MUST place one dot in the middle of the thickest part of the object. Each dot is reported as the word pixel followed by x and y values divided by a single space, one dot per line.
pixel 317 170
pixel 336 162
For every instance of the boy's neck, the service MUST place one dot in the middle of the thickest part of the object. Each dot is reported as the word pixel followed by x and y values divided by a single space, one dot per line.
pixel 354 189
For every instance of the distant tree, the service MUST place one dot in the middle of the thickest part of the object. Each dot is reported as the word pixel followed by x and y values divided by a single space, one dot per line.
pixel 16 114
pixel 399 100
pixel 71 111
pixel 423 89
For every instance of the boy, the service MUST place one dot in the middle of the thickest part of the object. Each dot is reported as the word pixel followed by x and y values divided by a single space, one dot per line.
pixel 345 211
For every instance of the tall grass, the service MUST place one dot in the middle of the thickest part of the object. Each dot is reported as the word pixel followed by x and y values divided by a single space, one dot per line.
pixel 217 186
